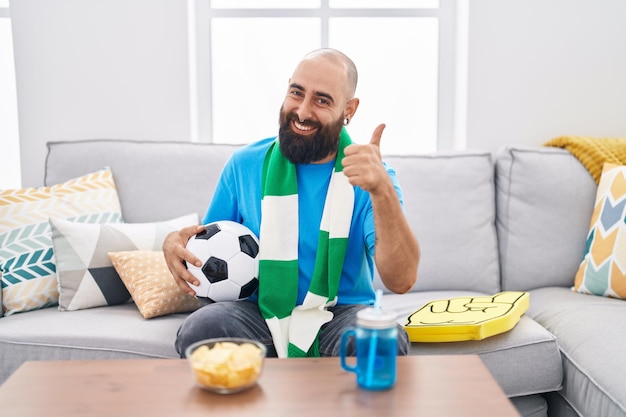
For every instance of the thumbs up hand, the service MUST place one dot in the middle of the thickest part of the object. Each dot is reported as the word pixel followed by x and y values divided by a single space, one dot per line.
pixel 363 165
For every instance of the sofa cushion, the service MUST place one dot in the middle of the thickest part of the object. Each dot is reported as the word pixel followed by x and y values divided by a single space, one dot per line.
pixel 29 279
pixel 449 204
pixel 147 187
pixel 86 275
pixel 531 405
pixel 591 331
pixel 113 332
pixel 544 200
pixel 524 360
pixel 602 269
pixel 151 284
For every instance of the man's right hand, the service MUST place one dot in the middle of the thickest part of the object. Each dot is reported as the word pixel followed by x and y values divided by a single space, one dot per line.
pixel 176 254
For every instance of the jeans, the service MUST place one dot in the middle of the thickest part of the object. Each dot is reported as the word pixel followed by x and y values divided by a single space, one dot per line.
pixel 243 319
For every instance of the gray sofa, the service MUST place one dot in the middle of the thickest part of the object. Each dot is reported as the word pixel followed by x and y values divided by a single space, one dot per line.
pixel 516 219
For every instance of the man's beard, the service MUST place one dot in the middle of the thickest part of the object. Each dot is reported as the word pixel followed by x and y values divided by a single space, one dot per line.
pixel 300 149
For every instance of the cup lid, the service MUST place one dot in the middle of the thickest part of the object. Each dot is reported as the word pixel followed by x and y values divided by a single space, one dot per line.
pixel 373 318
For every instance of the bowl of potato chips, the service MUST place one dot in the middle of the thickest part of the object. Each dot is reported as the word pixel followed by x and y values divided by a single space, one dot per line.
pixel 226 365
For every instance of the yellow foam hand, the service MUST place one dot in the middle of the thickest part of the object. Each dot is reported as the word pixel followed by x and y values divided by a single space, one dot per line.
pixel 467 318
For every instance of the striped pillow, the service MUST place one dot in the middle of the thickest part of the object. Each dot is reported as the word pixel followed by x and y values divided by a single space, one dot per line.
pixel 27 263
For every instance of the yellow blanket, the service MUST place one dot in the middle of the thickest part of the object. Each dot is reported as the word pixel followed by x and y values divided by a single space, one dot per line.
pixel 593 152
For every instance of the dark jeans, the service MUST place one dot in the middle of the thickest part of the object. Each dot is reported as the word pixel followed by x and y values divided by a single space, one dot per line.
pixel 243 319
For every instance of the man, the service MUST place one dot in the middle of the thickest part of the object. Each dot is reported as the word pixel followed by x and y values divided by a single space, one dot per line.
pixel 323 208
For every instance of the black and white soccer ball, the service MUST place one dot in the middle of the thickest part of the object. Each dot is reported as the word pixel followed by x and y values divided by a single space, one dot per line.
pixel 229 252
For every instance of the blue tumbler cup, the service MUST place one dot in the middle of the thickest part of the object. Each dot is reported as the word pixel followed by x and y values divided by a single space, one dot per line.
pixel 376 339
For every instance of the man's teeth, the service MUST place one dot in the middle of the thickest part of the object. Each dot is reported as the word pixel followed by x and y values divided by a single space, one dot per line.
pixel 300 126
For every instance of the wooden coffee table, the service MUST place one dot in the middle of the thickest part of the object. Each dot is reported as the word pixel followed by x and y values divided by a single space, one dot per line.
pixel 426 386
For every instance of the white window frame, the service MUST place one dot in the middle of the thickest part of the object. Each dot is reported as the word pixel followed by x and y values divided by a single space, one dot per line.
pixel 452 16
pixel 10 165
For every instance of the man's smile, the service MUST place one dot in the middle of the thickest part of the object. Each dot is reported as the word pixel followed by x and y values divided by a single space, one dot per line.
pixel 302 128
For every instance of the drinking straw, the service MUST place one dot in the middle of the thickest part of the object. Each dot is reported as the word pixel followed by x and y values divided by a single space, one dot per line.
pixel 371 357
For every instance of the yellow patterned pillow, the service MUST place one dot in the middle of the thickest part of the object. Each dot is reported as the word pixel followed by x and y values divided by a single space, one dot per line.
pixel 27 263
pixel 151 284
pixel 603 269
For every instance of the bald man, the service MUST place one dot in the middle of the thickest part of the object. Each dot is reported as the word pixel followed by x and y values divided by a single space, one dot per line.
pixel 319 241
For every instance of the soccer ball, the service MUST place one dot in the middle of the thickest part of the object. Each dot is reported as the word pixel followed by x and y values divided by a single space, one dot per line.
pixel 230 264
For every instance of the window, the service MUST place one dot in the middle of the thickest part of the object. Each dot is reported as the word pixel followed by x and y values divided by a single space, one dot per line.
pixel 410 56
pixel 10 154
pixel 405 51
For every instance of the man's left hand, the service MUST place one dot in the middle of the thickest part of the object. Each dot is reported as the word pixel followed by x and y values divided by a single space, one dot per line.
pixel 363 165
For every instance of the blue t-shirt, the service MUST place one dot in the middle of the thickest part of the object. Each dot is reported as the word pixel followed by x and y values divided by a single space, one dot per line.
pixel 237 197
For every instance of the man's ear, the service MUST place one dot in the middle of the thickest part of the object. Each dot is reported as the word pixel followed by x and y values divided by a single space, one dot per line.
pixel 351 107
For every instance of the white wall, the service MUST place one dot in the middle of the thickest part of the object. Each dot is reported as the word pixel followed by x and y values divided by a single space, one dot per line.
pixel 540 69
pixel 118 69
pixel 98 69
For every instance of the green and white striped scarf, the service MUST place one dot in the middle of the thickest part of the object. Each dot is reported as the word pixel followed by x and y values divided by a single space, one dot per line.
pixel 294 328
